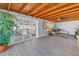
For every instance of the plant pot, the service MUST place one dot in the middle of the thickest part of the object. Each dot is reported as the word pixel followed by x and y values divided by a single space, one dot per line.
pixel 77 36
pixel 3 48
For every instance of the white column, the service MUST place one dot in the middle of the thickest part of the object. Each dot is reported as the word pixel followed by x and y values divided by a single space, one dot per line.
pixel 37 29
pixel 23 34
pixel 30 29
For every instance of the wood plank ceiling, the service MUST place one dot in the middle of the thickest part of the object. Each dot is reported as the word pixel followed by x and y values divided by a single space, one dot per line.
pixel 55 12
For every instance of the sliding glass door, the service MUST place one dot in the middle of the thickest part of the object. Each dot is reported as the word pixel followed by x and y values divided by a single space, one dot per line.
pixel 24 31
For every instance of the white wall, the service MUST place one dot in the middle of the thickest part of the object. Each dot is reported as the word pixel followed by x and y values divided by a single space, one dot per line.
pixel 69 26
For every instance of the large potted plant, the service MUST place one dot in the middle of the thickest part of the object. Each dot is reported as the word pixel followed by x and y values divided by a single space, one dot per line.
pixel 6 29
pixel 77 34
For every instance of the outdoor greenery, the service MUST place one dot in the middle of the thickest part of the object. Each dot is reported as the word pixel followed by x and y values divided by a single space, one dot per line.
pixel 77 32
pixel 6 26
pixel 77 29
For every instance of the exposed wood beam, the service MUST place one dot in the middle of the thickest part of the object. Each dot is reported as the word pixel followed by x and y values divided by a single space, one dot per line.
pixel 38 8
pixel 4 6
pixel 27 8
pixel 50 12
pixel 62 9
pixel 50 9
pixel 64 12
pixel 67 17
pixel 64 20
pixel 34 8
pixel 9 5
pixel 22 7
pixel 16 6
pixel 55 20
pixel 72 13
pixel 71 17
pixel 45 8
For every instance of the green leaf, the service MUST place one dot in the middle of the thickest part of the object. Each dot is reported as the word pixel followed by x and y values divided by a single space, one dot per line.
pixel 6 25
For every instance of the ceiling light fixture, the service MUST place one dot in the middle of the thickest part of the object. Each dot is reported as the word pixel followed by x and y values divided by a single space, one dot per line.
pixel 59 19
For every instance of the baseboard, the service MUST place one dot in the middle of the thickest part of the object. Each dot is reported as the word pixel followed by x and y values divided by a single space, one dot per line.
pixel 42 36
pixel 25 40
